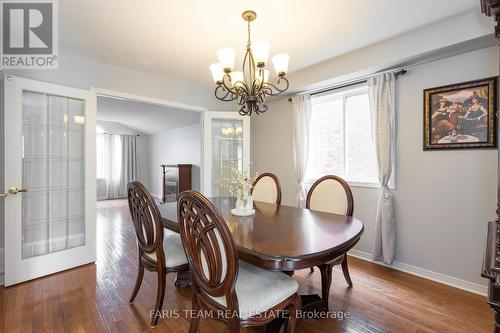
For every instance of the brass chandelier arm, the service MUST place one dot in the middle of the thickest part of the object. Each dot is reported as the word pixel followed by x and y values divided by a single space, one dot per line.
pixel 250 108
pixel 258 84
pixel 249 66
pixel 261 108
pixel 226 93
pixel 237 87
pixel 273 90
pixel 221 93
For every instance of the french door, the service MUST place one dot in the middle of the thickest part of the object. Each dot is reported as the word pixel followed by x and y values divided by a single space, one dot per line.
pixel 226 147
pixel 50 187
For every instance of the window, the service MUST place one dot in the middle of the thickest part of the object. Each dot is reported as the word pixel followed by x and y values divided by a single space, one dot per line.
pixel 341 139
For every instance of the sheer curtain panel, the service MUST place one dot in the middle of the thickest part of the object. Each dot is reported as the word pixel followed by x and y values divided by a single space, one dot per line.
pixel 381 90
pixel 301 105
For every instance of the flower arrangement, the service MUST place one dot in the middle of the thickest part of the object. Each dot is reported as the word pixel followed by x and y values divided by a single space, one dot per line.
pixel 240 185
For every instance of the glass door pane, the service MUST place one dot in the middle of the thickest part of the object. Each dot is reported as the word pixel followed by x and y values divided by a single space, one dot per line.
pixel 53 173
pixel 227 151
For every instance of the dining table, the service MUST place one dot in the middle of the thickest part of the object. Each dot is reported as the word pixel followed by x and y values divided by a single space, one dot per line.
pixel 284 238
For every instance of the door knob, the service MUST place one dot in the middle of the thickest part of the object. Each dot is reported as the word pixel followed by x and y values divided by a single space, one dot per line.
pixel 15 190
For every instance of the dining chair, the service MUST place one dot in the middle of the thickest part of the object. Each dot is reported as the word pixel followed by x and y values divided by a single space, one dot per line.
pixel 332 194
pixel 222 284
pixel 267 188
pixel 157 252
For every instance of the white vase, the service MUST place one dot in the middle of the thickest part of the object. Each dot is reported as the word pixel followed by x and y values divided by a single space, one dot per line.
pixel 240 205
pixel 249 204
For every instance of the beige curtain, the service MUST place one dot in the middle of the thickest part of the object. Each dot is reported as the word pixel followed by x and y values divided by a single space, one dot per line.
pixel 381 90
pixel 119 164
pixel 111 164
pixel 301 105
pixel 129 163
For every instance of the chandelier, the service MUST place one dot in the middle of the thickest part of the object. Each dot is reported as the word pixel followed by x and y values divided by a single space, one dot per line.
pixel 251 86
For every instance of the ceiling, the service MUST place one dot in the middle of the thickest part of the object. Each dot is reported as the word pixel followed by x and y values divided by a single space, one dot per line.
pixel 179 39
pixel 144 118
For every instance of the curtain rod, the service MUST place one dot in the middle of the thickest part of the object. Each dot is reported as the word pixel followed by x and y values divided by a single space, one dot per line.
pixel 353 82
pixel 120 134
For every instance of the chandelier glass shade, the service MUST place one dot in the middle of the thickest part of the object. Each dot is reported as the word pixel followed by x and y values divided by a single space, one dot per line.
pixel 251 86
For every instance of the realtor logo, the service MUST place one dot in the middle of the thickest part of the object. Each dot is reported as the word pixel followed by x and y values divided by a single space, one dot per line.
pixel 29 34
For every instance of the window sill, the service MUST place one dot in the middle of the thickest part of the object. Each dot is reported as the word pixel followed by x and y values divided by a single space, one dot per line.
pixel 309 182
pixel 363 184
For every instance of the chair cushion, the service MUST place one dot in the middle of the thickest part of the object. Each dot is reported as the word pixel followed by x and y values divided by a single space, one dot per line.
pixel 174 251
pixel 259 289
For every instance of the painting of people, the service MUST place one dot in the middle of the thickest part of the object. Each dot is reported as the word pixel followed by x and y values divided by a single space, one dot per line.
pixel 461 115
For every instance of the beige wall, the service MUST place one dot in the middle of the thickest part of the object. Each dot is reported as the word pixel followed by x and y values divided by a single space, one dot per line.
pixel 443 198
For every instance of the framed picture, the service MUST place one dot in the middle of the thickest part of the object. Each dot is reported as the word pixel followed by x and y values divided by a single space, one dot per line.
pixel 461 115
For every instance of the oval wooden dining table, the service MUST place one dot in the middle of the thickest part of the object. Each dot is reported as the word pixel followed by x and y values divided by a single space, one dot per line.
pixel 285 238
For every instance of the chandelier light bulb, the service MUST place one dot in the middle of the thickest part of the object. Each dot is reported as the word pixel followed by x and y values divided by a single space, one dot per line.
pixel 260 52
pixel 226 57
pixel 280 62
pixel 217 72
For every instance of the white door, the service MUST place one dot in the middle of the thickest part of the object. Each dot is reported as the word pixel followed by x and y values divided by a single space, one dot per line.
pixel 49 178
pixel 226 145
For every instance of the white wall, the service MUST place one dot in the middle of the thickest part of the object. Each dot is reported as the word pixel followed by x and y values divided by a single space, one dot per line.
pixel 443 198
pixel 114 127
pixel 80 72
pixel 178 146
pixel 143 149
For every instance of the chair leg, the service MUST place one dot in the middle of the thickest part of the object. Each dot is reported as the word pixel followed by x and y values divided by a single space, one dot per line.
pixel 296 305
pixel 345 270
pixel 160 294
pixel 234 325
pixel 138 282
pixel 195 321
pixel 326 282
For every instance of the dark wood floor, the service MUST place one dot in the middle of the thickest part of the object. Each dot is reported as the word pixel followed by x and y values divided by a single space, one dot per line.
pixel 94 297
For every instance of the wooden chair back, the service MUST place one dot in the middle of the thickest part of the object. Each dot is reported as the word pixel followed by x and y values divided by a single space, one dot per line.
pixel 145 218
pixel 209 247
pixel 267 188
pixel 331 194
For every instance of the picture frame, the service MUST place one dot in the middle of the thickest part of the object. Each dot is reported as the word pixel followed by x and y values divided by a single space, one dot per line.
pixel 461 115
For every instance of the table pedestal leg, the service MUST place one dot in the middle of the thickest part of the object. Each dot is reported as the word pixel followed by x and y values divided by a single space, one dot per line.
pixel 315 302
pixel 311 303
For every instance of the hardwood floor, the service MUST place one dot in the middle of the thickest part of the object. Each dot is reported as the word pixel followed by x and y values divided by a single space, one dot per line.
pixel 93 298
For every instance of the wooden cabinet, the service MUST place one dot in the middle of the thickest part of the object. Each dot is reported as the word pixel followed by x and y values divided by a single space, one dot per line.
pixel 176 178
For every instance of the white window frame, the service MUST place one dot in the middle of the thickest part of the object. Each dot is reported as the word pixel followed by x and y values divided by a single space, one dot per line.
pixel 355 91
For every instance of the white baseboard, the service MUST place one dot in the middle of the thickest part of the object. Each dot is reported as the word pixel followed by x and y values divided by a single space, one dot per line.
pixel 2 267
pixel 426 274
